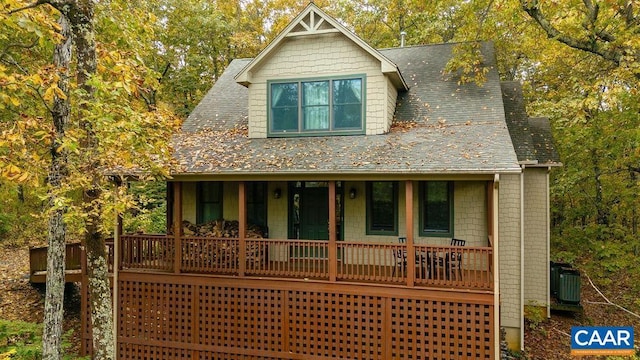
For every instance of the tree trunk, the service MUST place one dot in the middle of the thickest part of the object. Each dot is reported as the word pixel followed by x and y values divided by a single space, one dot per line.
pixel 81 16
pixel 602 213
pixel 99 287
pixel 99 292
pixel 54 298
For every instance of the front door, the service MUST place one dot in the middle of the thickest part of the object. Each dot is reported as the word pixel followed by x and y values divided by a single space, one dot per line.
pixel 309 215
pixel 314 213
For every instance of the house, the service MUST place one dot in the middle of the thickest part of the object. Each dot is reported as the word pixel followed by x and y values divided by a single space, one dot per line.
pixel 358 168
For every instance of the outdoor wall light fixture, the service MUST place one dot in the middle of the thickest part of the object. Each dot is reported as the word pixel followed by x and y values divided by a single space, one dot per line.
pixel 352 193
pixel 277 193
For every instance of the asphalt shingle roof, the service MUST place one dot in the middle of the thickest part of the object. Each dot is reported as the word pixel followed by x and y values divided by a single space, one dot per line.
pixel 543 145
pixel 224 106
pixel 517 121
pixel 531 137
pixel 439 127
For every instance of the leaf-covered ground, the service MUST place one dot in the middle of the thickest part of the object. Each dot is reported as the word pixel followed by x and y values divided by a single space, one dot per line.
pixel 549 340
pixel 19 300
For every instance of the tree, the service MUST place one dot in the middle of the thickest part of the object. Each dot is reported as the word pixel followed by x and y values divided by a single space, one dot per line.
pixel 109 109
pixel 60 114
pixel 608 29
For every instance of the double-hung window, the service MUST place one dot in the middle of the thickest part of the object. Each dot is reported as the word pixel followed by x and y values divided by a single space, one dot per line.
pixel 382 208
pixel 316 107
pixel 436 208
pixel 257 203
pixel 208 201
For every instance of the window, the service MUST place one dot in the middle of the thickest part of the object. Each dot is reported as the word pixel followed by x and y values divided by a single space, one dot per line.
pixel 382 208
pixel 316 107
pixel 436 208
pixel 257 204
pixel 208 201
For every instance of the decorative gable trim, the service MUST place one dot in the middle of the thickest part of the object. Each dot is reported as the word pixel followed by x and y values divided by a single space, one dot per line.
pixel 313 21
pixel 312 24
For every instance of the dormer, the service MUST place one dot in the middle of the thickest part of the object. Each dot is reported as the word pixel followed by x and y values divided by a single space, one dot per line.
pixel 319 79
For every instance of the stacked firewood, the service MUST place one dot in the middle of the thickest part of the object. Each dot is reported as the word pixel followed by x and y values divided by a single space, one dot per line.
pixel 221 229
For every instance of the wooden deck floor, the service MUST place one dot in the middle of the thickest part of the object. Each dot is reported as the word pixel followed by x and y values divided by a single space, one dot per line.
pixel 40 277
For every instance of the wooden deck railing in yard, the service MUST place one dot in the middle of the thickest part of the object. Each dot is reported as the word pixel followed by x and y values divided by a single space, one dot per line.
pixel 438 266
pixel 73 262
pixel 38 258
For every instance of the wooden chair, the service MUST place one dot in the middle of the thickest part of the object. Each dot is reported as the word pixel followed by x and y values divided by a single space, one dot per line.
pixel 400 257
pixel 453 258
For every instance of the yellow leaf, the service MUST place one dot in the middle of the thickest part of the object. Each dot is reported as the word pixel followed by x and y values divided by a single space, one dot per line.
pixel 36 79
pixel 23 177
pixel 9 354
pixel 60 93
pixel 13 169
pixel 48 94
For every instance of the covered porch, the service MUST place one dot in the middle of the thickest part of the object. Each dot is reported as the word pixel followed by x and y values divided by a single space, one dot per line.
pixel 329 252
pixel 186 296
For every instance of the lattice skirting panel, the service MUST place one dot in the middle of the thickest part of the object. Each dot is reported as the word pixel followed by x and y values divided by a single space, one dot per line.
pixel 190 317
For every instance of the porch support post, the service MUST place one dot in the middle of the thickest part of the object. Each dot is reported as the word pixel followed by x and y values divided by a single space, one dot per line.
pixel 411 253
pixel 177 225
pixel 242 228
pixel 496 269
pixel 169 197
pixel 117 238
pixel 117 243
pixel 333 246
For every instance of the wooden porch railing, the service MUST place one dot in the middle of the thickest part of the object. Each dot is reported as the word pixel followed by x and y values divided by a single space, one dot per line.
pixel 288 258
pixel 38 258
pixel 438 266
pixel 147 252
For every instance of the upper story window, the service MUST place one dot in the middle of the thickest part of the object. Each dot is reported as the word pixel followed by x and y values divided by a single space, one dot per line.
pixel 316 107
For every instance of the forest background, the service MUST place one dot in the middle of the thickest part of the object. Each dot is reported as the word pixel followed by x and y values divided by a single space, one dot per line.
pixel 578 61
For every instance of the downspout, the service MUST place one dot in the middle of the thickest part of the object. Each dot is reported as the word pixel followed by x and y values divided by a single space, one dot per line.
pixel 116 266
pixel 548 205
pixel 496 264
pixel 522 258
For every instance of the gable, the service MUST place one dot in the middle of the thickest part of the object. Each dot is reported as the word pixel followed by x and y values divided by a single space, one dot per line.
pixel 311 61
pixel 314 22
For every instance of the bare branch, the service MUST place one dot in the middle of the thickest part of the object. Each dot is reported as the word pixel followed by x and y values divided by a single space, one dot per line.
pixel 531 7
pixel 31 6
pixel 609 302
pixel 164 73
pixel 36 91
pixel 11 61
pixel 592 12
pixel 628 14
pixel 562 332
pixel 22 46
